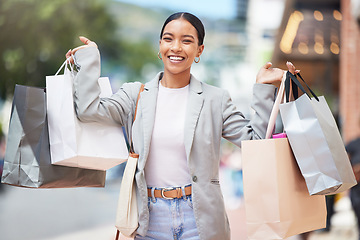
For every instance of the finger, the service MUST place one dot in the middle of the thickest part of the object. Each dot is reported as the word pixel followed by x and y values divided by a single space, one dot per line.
pixel 88 42
pixel 68 57
pixel 68 54
pixel 267 65
pixel 84 40
pixel 70 60
pixel 291 67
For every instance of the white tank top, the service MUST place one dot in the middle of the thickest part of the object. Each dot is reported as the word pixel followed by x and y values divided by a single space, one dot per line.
pixel 166 165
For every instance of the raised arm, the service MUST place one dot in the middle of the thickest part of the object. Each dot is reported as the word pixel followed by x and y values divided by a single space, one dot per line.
pixel 89 106
pixel 236 127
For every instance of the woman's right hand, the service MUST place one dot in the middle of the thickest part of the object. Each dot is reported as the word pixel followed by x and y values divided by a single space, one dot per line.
pixel 87 43
pixel 273 76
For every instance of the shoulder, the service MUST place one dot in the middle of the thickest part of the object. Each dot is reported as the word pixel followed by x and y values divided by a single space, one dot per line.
pixel 212 89
pixel 129 90
pixel 216 95
pixel 133 88
pixel 207 90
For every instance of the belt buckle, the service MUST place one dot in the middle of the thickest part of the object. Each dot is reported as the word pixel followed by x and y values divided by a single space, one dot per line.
pixel 165 190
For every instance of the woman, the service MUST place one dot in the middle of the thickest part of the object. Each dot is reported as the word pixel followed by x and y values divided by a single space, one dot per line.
pixel 177 133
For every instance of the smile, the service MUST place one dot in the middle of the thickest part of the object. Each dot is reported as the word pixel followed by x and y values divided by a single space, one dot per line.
pixel 176 58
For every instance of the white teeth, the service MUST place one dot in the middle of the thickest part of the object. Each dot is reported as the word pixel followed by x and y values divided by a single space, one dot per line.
pixel 175 58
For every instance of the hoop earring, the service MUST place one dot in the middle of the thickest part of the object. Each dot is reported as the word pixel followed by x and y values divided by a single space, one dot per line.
pixel 198 60
pixel 159 56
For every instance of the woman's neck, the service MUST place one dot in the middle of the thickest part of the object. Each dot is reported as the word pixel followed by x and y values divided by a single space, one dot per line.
pixel 175 80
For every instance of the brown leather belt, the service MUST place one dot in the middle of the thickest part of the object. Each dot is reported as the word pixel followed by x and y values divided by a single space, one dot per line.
pixel 170 193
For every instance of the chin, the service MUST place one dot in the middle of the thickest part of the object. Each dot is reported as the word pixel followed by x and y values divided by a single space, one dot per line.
pixel 177 70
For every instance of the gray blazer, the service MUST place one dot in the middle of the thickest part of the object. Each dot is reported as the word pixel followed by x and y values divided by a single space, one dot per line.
pixel 210 116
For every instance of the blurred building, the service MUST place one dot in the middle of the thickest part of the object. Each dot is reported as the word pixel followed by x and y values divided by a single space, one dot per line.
pixel 309 36
pixel 322 39
pixel 264 20
pixel 242 9
pixel 349 69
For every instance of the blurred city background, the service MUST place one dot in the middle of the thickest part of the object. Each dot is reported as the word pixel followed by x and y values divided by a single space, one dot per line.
pixel 321 37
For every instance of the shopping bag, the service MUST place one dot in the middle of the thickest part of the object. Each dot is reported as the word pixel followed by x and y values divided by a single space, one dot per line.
pixel 127 211
pixel 316 142
pixel 277 202
pixel 27 160
pixel 127 219
pixel 73 143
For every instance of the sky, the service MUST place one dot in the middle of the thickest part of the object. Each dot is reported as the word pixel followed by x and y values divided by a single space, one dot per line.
pixel 216 9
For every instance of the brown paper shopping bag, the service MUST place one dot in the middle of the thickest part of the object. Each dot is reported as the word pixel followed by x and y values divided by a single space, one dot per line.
pixel 277 202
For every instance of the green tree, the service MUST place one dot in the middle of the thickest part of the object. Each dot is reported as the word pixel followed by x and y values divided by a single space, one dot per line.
pixel 36 34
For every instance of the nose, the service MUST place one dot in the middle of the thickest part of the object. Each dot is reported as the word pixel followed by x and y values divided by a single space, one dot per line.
pixel 176 47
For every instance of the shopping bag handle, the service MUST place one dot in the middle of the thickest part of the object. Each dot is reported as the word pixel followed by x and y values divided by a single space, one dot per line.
pixel 291 78
pixel 137 102
pixel 286 81
pixel 65 64
pixel 289 85
pixel 275 109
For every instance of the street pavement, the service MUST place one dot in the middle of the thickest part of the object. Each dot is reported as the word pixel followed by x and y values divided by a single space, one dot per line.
pixel 36 214
pixel 89 214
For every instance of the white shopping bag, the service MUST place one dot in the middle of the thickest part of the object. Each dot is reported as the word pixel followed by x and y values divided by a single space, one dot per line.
pixel 78 144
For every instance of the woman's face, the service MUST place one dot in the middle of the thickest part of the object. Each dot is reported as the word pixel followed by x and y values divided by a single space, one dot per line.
pixel 179 46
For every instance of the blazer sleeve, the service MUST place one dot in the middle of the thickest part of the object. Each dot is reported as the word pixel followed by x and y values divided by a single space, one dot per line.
pixel 89 106
pixel 236 127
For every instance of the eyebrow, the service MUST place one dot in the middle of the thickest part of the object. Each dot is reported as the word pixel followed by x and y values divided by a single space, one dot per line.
pixel 167 33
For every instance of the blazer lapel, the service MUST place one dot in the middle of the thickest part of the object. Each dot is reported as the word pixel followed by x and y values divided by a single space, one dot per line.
pixel 194 106
pixel 148 107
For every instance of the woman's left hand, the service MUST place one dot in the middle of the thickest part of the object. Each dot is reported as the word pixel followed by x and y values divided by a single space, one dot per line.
pixel 87 43
pixel 273 76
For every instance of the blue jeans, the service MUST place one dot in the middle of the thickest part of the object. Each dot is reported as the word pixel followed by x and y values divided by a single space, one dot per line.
pixel 171 219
